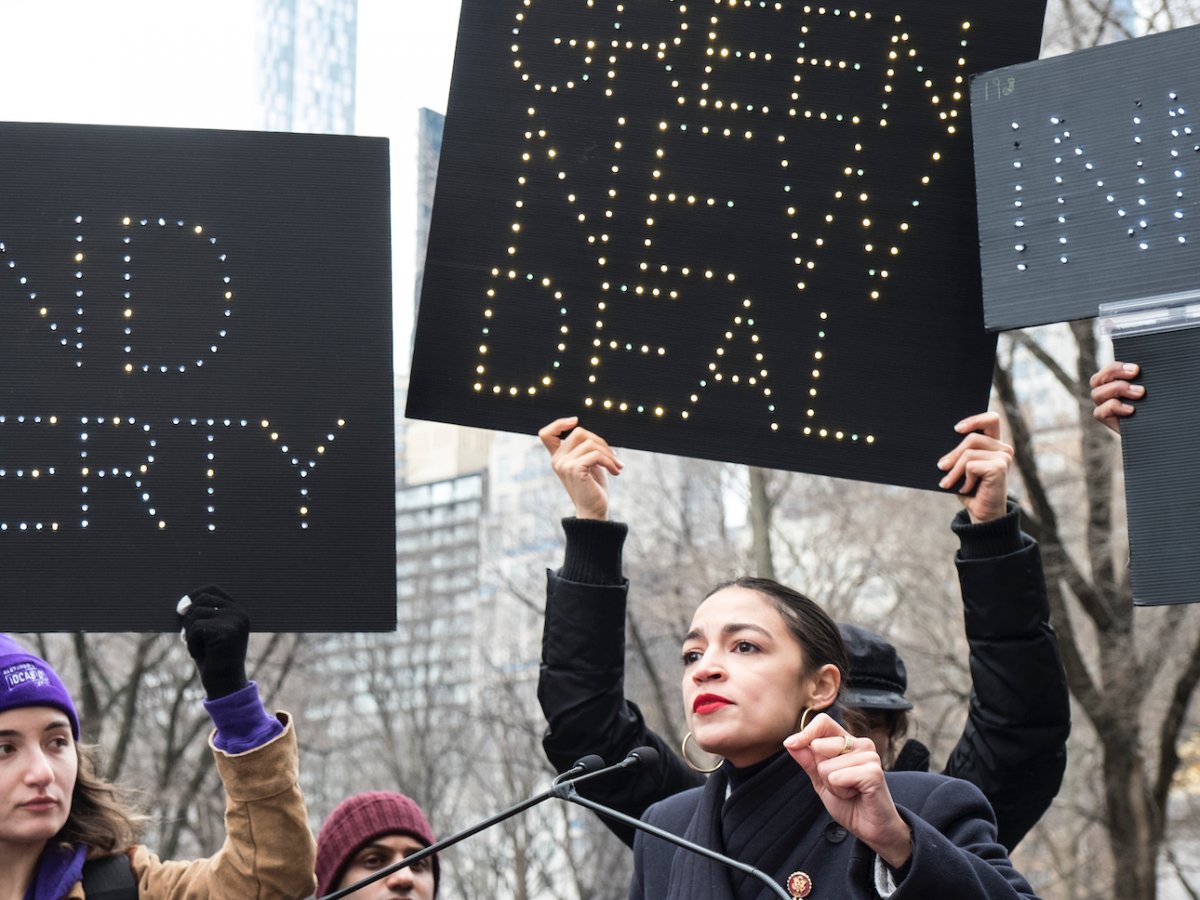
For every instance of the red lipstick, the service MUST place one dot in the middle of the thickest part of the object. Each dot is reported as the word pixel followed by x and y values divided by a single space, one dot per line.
pixel 709 703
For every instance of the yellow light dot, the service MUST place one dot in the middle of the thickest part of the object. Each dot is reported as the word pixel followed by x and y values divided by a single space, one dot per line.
pixel 199 229
pixel 266 424
pixel 162 524
pixel 125 221
pixel 304 510
pixel 128 367
pixel 274 435
pixel 658 410
pixel 129 313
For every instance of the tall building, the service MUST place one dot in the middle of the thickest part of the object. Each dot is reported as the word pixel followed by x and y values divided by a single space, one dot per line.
pixel 308 62
pixel 430 125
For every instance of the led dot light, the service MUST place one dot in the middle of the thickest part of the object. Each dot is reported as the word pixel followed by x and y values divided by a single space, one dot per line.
pixel 642 168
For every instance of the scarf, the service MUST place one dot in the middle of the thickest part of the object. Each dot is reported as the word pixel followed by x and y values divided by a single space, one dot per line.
pixel 58 869
pixel 772 820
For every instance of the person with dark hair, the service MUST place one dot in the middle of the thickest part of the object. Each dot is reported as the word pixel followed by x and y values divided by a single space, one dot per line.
pixel 1014 745
pixel 65 832
pixel 875 688
pixel 369 832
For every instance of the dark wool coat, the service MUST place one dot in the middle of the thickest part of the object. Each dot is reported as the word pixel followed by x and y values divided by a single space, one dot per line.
pixel 776 823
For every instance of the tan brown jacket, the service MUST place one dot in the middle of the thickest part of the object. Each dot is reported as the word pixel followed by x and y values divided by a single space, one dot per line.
pixel 269 851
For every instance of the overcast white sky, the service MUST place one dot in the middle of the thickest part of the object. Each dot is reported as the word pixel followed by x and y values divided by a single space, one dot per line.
pixel 192 64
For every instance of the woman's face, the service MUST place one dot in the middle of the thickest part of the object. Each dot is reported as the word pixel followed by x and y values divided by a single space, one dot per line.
pixel 744 687
pixel 38 766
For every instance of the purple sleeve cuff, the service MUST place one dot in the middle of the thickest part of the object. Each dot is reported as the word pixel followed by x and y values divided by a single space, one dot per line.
pixel 242 721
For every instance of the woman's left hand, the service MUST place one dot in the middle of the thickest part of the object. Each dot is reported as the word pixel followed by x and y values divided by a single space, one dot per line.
pixel 848 777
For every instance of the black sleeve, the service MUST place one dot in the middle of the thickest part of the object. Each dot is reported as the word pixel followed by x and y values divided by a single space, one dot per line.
pixel 1014 745
pixel 581 683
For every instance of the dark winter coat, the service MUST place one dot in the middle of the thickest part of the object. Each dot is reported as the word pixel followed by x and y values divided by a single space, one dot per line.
pixel 776 823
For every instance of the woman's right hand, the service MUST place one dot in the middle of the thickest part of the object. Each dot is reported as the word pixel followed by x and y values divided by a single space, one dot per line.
pixel 847 775
pixel 581 459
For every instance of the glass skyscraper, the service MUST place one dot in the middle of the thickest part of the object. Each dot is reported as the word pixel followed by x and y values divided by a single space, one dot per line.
pixel 308 60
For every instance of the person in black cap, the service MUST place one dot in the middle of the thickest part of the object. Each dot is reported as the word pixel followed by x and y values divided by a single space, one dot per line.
pixel 1013 746
pixel 875 687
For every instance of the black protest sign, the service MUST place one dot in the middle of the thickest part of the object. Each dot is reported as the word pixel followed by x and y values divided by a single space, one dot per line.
pixel 1088 169
pixel 1158 446
pixel 741 231
pixel 196 377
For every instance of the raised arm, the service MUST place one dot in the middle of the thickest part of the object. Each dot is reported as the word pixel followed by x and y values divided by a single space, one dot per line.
pixel 269 852
pixel 581 685
pixel 1013 746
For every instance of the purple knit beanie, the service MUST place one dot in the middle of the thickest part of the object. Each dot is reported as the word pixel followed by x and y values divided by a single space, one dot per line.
pixel 28 680
pixel 360 819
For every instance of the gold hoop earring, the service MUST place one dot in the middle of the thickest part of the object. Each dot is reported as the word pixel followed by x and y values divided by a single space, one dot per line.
pixel 804 716
pixel 691 765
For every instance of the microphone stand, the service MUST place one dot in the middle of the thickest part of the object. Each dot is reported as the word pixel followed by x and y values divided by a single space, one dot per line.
pixel 566 791
pixel 563 788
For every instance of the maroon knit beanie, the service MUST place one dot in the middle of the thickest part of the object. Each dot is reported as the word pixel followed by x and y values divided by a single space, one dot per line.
pixel 359 819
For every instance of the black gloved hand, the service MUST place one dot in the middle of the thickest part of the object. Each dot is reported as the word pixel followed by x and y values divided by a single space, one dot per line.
pixel 217 631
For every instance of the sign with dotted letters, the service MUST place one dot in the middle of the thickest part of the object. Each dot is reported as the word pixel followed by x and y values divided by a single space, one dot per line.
pixel 1088 168
pixel 735 230
pixel 196 377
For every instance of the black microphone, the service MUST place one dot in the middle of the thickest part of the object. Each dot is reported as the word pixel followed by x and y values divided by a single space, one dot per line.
pixel 572 796
pixel 590 763
pixel 639 756
pixel 587 767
